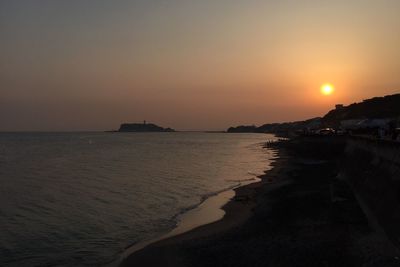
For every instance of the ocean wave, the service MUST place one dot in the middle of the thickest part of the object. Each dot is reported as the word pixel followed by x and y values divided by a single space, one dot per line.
pixel 203 198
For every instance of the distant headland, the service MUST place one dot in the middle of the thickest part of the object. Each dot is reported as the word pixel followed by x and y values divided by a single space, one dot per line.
pixel 143 127
pixel 369 113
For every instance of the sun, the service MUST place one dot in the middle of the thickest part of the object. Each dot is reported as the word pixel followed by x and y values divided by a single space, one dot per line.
pixel 327 89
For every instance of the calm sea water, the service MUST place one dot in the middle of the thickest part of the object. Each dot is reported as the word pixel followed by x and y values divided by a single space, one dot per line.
pixel 79 199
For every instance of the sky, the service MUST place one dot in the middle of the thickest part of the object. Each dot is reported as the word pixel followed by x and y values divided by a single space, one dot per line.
pixel 190 65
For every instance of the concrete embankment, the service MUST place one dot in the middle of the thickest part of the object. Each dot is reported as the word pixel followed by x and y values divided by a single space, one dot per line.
pixel 372 169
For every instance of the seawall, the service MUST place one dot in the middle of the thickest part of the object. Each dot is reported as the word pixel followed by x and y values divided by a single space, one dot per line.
pixel 372 169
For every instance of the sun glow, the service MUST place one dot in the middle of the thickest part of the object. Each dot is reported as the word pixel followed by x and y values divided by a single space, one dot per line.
pixel 327 89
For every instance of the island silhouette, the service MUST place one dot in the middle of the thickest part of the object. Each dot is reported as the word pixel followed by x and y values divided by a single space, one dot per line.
pixel 143 127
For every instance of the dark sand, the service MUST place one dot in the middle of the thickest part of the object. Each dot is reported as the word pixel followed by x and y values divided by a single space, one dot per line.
pixel 293 217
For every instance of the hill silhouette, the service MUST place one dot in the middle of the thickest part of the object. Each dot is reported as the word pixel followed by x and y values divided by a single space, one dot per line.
pixel 373 108
pixel 277 127
pixel 386 107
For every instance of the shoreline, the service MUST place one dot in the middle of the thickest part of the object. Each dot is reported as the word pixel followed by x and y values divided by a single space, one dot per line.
pixel 212 206
pixel 292 217
pixel 236 210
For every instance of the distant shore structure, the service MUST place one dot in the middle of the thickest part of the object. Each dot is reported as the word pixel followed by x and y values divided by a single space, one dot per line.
pixel 143 127
pixel 339 106
pixel 366 116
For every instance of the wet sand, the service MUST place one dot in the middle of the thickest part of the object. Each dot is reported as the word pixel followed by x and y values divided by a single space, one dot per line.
pixel 291 218
pixel 207 212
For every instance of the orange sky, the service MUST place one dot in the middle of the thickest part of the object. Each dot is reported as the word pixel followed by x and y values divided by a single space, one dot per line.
pixel 190 65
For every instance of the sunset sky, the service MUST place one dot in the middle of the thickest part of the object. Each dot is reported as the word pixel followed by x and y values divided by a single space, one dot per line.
pixel 190 65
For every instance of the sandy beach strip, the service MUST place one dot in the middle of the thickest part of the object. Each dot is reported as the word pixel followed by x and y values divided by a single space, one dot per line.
pixel 237 209
pixel 288 219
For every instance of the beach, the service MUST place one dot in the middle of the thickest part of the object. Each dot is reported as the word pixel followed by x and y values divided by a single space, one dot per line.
pixel 292 217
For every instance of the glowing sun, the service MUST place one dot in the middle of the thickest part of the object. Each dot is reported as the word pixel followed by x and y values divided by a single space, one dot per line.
pixel 327 89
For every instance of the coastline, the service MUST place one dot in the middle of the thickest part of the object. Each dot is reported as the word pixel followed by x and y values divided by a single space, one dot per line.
pixel 291 218
pixel 212 210
pixel 236 209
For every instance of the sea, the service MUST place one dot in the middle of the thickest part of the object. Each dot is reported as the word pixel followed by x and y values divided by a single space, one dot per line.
pixel 82 199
